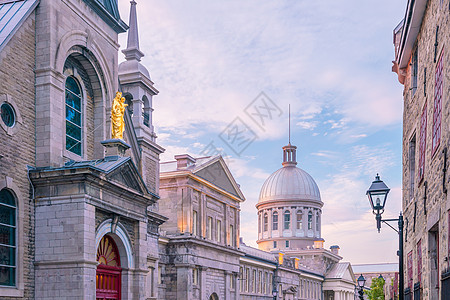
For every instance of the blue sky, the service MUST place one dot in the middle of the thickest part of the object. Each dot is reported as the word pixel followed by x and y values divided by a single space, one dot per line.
pixel 330 60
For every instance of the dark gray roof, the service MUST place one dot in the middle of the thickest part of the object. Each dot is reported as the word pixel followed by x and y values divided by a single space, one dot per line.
pixel 12 14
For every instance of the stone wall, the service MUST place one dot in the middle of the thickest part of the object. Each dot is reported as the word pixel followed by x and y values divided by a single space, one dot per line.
pixel 18 144
pixel 425 204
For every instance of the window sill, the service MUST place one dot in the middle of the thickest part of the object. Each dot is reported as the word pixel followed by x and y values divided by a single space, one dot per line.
pixel 11 291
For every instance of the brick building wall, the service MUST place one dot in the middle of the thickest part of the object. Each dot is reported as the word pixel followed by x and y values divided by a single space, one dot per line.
pixel 18 147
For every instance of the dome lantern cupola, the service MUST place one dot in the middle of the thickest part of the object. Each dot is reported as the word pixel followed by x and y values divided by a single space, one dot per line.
pixel 289 156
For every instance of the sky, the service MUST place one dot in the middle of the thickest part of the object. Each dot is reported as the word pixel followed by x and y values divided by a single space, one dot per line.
pixel 227 72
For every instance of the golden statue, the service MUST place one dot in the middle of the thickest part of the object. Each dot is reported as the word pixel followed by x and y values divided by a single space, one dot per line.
pixel 117 113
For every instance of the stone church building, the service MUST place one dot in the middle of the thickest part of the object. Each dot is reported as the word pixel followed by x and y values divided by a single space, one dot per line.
pixel 84 216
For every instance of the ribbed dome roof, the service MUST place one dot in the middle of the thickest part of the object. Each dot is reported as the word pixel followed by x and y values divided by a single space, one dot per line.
pixel 289 183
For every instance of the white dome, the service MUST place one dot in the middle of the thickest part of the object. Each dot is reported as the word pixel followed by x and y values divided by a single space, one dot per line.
pixel 289 183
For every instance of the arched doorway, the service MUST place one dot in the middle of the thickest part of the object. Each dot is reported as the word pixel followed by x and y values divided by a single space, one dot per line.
pixel 214 297
pixel 108 279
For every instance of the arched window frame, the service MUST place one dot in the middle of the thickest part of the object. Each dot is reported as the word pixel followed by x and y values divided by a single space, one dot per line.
pixel 18 289
pixel 299 220
pixel 76 109
pixel 310 220
pixel 275 220
pixel 266 222
pixel 287 220
pixel 317 222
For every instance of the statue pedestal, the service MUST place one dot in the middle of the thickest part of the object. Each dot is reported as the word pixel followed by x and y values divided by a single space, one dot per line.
pixel 115 147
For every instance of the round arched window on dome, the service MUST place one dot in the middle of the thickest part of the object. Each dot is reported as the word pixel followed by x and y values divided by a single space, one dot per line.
pixel 299 220
pixel 317 222
pixel 275 220
pixel 266 222
pixel 310 220
pixel 287 220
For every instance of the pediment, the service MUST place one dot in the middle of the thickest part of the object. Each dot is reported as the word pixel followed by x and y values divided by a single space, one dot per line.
pixel 127 175
pixel 218 174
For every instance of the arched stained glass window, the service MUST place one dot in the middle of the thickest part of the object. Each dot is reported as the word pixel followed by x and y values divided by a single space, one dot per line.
pixel 8 245
pixel 299 220
pixel 287 219
pixel 275 220
pixel 266 222
pixel 310 220
pixel 74 116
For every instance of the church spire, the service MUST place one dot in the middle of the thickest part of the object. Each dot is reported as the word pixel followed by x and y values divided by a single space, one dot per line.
pixel 289 151
pixel 133 52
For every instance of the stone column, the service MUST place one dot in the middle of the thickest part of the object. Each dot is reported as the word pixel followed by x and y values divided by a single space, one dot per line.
pixel 227 289
pixel 203 272
pixel 184 281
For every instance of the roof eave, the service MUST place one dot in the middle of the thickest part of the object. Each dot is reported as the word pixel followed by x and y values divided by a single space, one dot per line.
pixel 413 21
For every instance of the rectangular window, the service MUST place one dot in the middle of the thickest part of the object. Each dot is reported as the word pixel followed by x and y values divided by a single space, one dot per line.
pixel 265 283
pixel 410 270
pixel 194 222
pixel 422 142
pixel 195 276
pixel 210 228
pixel 260 282
pixel 274 244
pixel 241 278
pixel 247 280
pixel 437 108
pixel 219 231
pixel 287 244
pixel 232 240
pixel 419 261
pixel 8 244
pixel 254 282
pixel 414 68
pixel 412 166
pixel 299 220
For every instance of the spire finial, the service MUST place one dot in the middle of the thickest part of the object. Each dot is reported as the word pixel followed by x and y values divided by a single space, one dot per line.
pixel 289 123
pixel 133 52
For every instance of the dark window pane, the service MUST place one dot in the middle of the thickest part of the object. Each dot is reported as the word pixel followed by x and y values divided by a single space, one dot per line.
pixel 73 131
pixel 73 145
pixel 7 215
pixel 7 256
pixel 8 115
pixel 73 116
pixel 73 101
pixel 7 236
pixel 72 85
pixel 7 197
pixel 7 276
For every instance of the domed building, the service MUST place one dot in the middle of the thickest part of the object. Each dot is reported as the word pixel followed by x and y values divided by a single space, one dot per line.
pixel 289 208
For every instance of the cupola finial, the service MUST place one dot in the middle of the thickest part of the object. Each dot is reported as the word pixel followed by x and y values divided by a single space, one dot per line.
pixel 289 151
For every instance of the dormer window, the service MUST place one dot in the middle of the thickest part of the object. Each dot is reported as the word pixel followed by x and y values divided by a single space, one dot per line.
pixel 74 116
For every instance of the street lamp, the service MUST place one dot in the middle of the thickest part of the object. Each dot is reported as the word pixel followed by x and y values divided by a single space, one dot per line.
pixel 274 293
pixel 377 194
pixel 361 282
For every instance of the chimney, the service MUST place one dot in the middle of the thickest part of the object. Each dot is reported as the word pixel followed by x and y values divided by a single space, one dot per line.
pixel 184 161
pixel 335 249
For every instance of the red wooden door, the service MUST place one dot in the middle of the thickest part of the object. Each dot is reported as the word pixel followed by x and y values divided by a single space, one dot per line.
pixel 108 279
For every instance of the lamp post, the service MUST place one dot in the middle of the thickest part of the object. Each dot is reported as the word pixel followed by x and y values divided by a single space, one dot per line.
pixel 361 282
pixel 274 293
pixel 377 194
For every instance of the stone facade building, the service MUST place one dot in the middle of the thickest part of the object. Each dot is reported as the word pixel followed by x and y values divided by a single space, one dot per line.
pixel 84 216
pixel 421 63
pixel 76 219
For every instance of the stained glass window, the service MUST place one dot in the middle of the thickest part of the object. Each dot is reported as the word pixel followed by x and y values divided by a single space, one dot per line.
pixel 7 238
pixel 73 116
